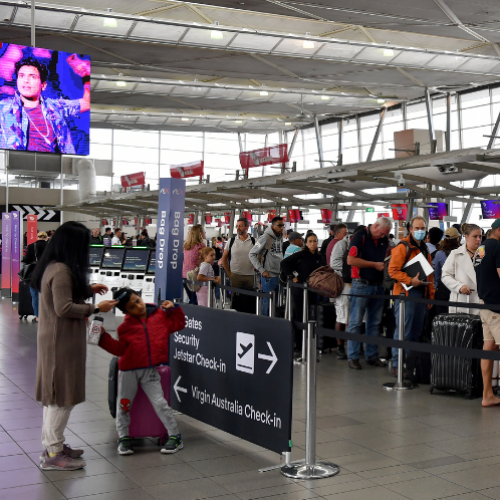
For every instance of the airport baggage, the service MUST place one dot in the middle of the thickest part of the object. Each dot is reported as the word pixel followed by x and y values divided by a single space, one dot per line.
pixel 418 367
pixel 24 307
pixel 144 421
pixel 453 373
pixel 244 303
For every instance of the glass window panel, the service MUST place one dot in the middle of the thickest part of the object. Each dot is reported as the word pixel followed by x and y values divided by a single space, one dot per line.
pixel 100 151
pixel 473 137
pixel 144 139
pixel 135 154
pixel 473 117
pixel 101 135
pixel 478 98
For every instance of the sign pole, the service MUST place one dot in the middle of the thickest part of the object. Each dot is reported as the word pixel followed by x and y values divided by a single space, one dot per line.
pixel 305 310
pixel 6 254
pixel 16 246
pixel 311 469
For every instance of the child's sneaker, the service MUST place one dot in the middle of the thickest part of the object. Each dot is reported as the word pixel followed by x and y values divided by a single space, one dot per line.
pixel 61 462
pixel 125 446
pixel 174 444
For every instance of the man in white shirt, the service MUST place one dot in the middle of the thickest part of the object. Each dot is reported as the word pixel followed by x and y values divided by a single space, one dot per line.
pixel 116 238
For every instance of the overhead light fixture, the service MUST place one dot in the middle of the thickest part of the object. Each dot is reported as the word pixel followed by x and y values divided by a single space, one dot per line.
pixel 121 84
pixel 287 124
pixel 185 119
pixel 308 44
pixel 216 34
pixel 264 92
pixel 380 101
pixel 388 53
pixel 325 98
pixel 109 22
pixel 238 121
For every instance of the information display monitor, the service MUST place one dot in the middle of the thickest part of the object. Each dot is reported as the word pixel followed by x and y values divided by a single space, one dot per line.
pixel 95 254
pixel 490 209
pixel 438 211
pixel 56 85
pixel 152 262
pixel 113 258
pixel 136 259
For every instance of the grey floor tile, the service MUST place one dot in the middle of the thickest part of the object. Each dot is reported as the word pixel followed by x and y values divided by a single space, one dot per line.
pixel 163 475
pixel 478 478
pixel 242 482
pixel 399 478
pixel 187 490
pixel 412 454
pixel 429 488
pixel 365 462
pixel 15 462
pixel 225 465
pixel 332 489
pixel 43 491
pixel 437 462
pixel 84 486
pixel 94 467
pixel 8 449
pixel 137 494
pixel 21 477
pixel 285 489
pixel 375 493
pixel 338 449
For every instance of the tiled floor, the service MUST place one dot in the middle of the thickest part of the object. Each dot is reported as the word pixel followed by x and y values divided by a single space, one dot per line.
pixel 390 446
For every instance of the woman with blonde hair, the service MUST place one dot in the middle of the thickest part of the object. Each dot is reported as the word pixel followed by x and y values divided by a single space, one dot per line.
pixel 192 246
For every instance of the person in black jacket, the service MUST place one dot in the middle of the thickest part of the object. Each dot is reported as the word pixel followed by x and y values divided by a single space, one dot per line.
pixel 33 254
pixel 301 265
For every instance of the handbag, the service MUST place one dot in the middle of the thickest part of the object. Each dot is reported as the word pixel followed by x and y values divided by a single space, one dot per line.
pixel 26 272
pixel 326 282
pixel 192 276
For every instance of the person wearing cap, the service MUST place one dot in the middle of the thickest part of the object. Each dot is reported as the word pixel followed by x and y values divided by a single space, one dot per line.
pixel 339 233
pixel 487 267
pixel 287 242
pixel 295 243
pixel 33 254
pixel 451 242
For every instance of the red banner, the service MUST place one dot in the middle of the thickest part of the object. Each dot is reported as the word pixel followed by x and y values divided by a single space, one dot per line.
pixel 264 156
pixel 387 214
pixel 190 219
pixel 227 217
pixel 195 169
pixel 271 214
pixel 399 212
pixel 326 216
pixel 219 222
pixel 32 228
pixel 247 215
pixel 208 219
pixel 133 180
pixel 295 215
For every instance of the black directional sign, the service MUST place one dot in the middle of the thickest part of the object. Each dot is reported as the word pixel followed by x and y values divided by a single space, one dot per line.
pixel 234 371
pixel 44 214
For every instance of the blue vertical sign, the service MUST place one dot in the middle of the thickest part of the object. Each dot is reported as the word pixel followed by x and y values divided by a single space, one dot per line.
pixel 16 252
pixel 6 253
pixel 170 239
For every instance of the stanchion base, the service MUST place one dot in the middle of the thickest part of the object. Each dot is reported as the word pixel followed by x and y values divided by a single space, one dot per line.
pixel 319 470
pixel 396 386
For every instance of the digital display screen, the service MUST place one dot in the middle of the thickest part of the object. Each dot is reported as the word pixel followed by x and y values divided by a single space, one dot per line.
pixel 113 258
pixel 95 255
pixel 152 263
pixel 490 209
pixel 438 211
pixel 44 100
pixel 135 260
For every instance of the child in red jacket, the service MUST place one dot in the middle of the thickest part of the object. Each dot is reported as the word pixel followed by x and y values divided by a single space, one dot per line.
pixel 142 345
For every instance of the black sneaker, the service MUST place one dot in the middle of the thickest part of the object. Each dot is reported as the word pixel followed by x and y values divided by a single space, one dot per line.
pixel 125 446
pixel 354 364
pixel 376 362
pixel 174 444
pixel 341 352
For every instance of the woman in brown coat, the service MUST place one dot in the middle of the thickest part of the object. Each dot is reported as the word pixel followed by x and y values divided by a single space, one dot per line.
pixel 61 278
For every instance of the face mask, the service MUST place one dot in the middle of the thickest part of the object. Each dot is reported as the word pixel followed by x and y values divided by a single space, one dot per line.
pixel 419 235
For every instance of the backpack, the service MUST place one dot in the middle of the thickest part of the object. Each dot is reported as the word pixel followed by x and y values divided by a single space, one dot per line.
pixel 231 243
pixel 418 367
pixel 193 276
pixel 346 268
pixel 389 282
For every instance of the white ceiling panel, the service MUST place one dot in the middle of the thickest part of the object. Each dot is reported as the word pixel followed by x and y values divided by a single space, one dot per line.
pixel 158 32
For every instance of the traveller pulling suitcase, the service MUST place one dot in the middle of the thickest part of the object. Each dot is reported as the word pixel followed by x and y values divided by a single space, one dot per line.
pixel 453 373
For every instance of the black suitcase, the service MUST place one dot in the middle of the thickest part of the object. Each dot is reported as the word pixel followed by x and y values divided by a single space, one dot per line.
pixel 453 373
pixel 326 318
pixel 24 308
pixel 113 386
pixel 244 303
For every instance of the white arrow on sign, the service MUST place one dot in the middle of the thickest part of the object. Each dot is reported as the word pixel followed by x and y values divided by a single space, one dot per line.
pixel 41 212
pixel 273 358
pixel 21 209
pixel 30 210
pixel 50 214
pixel 178 388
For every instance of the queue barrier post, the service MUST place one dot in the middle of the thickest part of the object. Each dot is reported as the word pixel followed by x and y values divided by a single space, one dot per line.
pixel 210 301
pixel 272 304
pixel 288 301
pixel 401 384
pixel 311 469
pixel 305 311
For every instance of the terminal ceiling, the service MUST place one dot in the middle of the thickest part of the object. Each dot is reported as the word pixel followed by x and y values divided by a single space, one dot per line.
pixel 271 65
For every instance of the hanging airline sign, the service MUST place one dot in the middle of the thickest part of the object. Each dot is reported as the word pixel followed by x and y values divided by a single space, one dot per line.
pixel 227 217
pixel 133 180
pixel 399 211
pixel 326 216
pixel 32 229
pixel 219 222
pixel 295 215
pixel 195 169
pixel 264 156
pixel 43 214
pixel 208 218
pixel 247 216
pixel 386 214
pixel 271 214
pixel 190 219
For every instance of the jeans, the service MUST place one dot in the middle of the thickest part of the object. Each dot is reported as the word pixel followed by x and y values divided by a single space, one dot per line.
pixel 34 300
pixel 414 321
pixel 268 285
pixel 374 309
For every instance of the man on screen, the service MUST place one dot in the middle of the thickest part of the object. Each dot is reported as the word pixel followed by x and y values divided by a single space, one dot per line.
pixel 31 122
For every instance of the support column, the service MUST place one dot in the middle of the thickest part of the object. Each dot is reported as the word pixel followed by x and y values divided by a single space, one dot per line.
pixel 430 121
pixel 448 122
pixel 404 110
pixel 376 136
pixel 33 23
pixel 7 181
pixel 318 141
pixel 292 146
pixel 341 143
pixel 231 223
pixel 409 213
